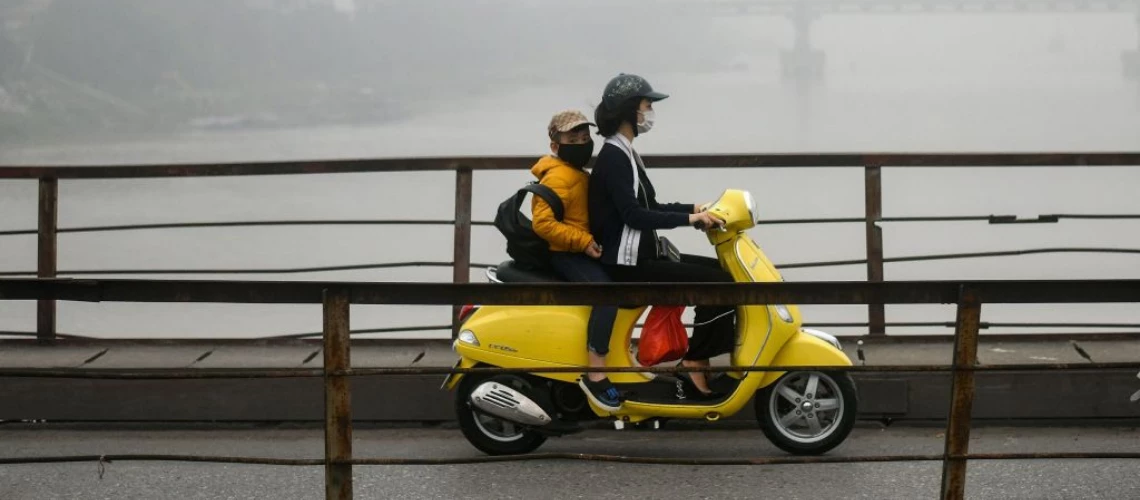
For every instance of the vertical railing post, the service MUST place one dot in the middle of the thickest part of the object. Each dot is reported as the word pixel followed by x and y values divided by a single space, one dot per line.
pixel 962 395
pixel 46 255
pixel 338 397
pixel 873 197
pixel 461 262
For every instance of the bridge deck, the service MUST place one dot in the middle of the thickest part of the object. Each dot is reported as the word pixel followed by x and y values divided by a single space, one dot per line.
pixel 206 353
pixel 916 396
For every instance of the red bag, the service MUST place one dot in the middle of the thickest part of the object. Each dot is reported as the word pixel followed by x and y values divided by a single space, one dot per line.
pixel 663 338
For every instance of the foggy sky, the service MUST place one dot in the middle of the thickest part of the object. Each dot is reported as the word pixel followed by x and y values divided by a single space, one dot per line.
pixel 483 77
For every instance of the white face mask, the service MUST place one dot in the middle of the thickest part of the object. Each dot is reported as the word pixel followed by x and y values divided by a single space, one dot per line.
pixel 646 122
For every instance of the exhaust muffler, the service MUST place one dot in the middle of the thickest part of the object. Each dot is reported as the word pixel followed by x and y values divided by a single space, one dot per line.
pixel 506 403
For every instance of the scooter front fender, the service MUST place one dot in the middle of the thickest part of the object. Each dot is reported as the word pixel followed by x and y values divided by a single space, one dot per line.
pixel 805 350
pixel 453 379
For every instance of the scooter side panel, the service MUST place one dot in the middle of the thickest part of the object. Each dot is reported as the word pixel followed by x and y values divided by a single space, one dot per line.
pixel 546 336
pixel 762 330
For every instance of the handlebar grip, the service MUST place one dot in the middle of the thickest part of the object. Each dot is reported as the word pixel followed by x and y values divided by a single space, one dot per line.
pixel 700 225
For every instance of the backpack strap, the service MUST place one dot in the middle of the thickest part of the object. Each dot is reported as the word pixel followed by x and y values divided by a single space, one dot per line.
pixel 549 196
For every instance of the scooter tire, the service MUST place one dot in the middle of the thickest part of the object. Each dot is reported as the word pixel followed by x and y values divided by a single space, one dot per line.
pixel 806 446
pixel 525 442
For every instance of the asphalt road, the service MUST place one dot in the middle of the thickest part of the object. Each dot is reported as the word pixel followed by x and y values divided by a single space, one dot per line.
pixel 1037 479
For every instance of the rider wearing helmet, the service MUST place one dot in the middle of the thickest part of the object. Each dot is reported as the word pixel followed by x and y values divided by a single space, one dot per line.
pixel 625 217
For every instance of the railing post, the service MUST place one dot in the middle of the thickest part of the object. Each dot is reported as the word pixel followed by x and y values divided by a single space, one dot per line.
pixel 873 197
pixel 461 261
pixel 46 255
pixel 962 396
pixel 338 398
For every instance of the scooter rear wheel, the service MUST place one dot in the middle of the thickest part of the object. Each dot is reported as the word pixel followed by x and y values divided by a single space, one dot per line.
pixel 491 435
pixel 807 413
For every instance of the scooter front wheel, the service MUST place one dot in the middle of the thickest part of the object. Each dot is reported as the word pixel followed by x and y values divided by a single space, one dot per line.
pixel 807 413
pixel 491 435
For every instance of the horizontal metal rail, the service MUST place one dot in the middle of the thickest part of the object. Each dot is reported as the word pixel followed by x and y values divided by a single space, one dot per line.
pixel 523 163
pixel 992 219
pixel 263 373
pixel 259 223
pixel 9 333
pixel 586 457
pixel 397 265
pixel 983 325
pixel 285 270
pixel 958 256
pixel 727 294
pixel 854 324
pixel 364 331
pixel 930 337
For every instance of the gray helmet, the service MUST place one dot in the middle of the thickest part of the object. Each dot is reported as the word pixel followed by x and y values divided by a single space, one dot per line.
pixel 625 86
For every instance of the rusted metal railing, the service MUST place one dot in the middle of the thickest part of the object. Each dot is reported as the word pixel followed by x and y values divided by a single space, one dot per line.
pixel 873 197
pixel 585 457
pixel 989 219
pixel 47 254
pixel 337 297
pixel 464 167
pixel 338 402
pixel 961 394
pixel 476 265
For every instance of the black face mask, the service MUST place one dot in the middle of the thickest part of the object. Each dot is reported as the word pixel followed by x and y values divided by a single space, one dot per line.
pixel 576 154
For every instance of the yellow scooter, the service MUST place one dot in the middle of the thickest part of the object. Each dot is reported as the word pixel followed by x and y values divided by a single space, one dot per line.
pixel 801 412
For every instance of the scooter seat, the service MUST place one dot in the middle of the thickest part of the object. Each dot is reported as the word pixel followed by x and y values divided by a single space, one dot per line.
pixel 509 272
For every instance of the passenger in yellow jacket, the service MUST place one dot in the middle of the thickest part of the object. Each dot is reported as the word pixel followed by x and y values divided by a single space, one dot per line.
pixel 573 252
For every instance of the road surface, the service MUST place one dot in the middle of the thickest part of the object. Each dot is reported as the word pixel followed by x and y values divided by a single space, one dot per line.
pixel 1006 480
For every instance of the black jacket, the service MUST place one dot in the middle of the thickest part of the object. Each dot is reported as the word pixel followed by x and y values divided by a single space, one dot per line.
pixel 622 222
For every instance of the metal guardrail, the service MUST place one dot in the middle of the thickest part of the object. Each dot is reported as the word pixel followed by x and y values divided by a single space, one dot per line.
pixel 49 176
pixel 990 219
pixel 474 265
pixel 336 298
pixel 1116 335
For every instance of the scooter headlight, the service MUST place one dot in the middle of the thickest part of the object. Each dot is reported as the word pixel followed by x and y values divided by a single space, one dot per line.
pixel 468 337
pixel 783 312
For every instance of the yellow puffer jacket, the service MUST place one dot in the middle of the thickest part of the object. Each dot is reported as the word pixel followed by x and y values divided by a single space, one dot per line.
pixel 571 184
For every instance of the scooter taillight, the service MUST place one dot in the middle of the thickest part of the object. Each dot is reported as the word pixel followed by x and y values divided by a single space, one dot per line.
pixel 466 311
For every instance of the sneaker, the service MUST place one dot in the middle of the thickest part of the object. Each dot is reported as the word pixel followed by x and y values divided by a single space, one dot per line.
pixel 602 393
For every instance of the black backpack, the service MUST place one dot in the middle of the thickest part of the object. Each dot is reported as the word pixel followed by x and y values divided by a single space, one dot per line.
pixel 528 249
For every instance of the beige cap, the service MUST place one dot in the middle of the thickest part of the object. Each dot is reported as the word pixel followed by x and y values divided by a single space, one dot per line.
pixel 565 121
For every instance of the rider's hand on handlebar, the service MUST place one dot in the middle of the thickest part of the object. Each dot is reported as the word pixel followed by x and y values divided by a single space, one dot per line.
pixel 704 221
pixel 594 250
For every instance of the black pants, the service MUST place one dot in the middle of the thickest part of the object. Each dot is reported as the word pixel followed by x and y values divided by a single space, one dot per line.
pixel 715 330
pixel 581 268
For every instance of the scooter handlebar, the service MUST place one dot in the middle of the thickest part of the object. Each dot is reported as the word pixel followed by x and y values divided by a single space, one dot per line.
pixel 700 225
